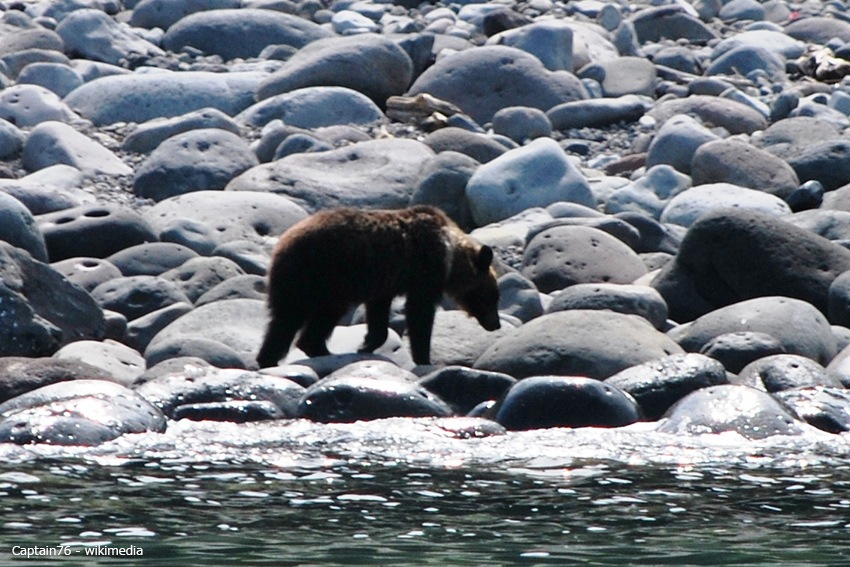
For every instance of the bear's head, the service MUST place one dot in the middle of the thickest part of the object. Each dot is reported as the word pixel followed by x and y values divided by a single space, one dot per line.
pixel 472 282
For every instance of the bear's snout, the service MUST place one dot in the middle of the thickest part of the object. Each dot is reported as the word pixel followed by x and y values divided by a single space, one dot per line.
pixel 491 322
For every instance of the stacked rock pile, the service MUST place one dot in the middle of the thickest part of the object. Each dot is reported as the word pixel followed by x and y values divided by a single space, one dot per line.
pixel 667 185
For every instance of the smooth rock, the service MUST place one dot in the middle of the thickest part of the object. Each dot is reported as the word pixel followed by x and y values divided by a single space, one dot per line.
pixel 249 286
pixel 374 174
pixel 519 297
pixel 26 106
pixel 442 183
pixel 19 375
pixel 739 163
pixel 463 388
pixel 658 384
pixel 11 140
pixel 199 160
pixel 198 275
pixel 731 255
pixel 773 40
pixel 140 97
pixel 370 64
pixel 826 408
pixel 825 162
pixel 745 59
pixel 204 219
pixel 596 113
pixel 501 77
pixel 565 401
pixel 567 255
pixel 241 33
pixel 652 24
pixel 769 315
pixel 520 123
pixel 53 143
pixel 736 10
pixel 119 361
pixel 818 29
pixel 314 107
pixel 87 273
pixel 786 372
pixel 479 147
pixel 734 116
pixel 165 13
pixel 789 138
pixel 18 228
pixel 685 208
pixel 596 344
pixel 59 78
pixel 550 41
pixel 676 142
pixel 93 230
pixel 92 34
pixel 622 76
pixel 369 390
pixel 737 350
pixel 650 193
pixel 654 238
pixel 535 175
pixel 638 300
pixel 147 136
pixel 142 330
pixel 458 339
pixel 750 413
pixel 832 225
pixel 135 296
pixel 150 259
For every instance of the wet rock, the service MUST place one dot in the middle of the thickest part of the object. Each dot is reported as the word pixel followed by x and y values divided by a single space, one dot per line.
pixel 567 255
pixel 658 384
pixel 732 255
pixel 93 230
pixel 237 411
pixel 39 309
pixel 26 106
pixel 596 344
pixel 826 408
pixel 216 217
pixel 370 64
pixel 464 388
pixel 199 160
pixel 596 113
pixel 226 329
pixel 737 350
pixel 535 175
pixel 81 412
pixel 786 372
pixel 481 148
pixel 366 391
pixel 769 315
pixel 222 391
pixel 314 107
pixel 52 143
pixel 92 34
pixel 240 33
pixel 734 116
pixel 147 136
pixel 150 259
pixel 119 361
pixel 502 76
pixel 87 273
pixel 18 228
pixel 198 275
pixel 730 408
pixel 139 97
pixel 19 375
pixel 564 401
pixel 739 163
pixel 374 174
pixel 638 300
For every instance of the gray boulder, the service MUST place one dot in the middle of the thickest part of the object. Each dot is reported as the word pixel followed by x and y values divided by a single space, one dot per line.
pixel 18 228
pixel 314 107
pixel 740 163
pixel 736 117
pixel 164 13
pixel 92 34
pixel 638 300
pixel 28 105
pixel 147 136
pixel 52 143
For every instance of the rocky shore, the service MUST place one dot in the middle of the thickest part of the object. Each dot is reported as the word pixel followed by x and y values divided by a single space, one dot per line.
pixel 666 185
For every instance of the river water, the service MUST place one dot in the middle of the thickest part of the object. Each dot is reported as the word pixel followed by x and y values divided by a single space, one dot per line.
pixel 407 492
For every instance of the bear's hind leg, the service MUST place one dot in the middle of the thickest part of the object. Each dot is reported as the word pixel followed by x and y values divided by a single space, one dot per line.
pixel 279 335
pixel 420 320
pixel 377 323
pixel 314 337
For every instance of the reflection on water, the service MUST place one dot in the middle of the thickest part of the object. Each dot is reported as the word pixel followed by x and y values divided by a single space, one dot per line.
pixel 403 492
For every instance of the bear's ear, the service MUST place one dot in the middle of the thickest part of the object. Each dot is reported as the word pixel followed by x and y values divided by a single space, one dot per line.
pixel 483 259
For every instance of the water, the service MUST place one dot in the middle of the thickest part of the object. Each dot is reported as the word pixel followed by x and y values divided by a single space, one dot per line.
pixel 405 492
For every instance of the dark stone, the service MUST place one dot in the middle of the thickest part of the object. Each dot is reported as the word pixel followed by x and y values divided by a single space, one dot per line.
pixel 827 162
pixel 464 388
pixel 737 350
pixel 215 352
pixel 19 375
pixel 93 230
pixel 653 24
pixel 751 413
pixel 442 184
pixel 249 286
pixel 730 255
pixel 238 411
pixel 826 408
pixel 786 372
pixel 654 236
pixel 559 401
pixel 658 384
pixel 136 296
pixel 141 331
pixel 170 392
pixel 501 20
pixel 151 259
pixel 477 146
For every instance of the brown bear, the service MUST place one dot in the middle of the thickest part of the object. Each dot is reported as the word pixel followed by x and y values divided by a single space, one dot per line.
pixel 339 258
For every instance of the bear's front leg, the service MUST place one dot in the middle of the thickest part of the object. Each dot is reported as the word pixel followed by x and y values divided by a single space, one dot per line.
pixel 377 324
pixel 420 320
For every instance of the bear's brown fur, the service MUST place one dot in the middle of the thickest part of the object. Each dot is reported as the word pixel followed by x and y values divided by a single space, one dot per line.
pixel 343 257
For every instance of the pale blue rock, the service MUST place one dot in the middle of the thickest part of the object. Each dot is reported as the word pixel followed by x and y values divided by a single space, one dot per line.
pixel 745 59
pixel 164 13
pixel 374 174
pixel 18 228
pixel 687 206
pixel 520 123
pixel 550 41
pixel 771 40
pixel 198 160
pixel 147 136
pixel 240 33
pixel 736 117
pixel 119 361
pixel 140 97
pixel 349 22
pixel 818 29
pixel 597 112
pixel 56 77
pixel 736 10
pixel 676 141
pixel 11 139
pixel 650 193
pixel 671 22
pixel 313 107
pixel 622 76
pixel 28 105
pixel 92 34
pixel 535 175
pixel 483 80
pixel 52 143
pixel 367 63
